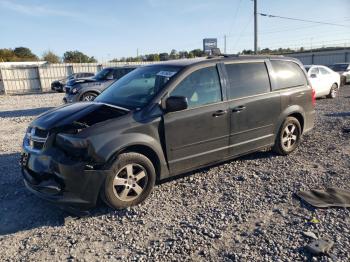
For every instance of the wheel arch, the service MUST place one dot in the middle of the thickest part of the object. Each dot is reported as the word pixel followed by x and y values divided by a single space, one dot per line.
pixel 293 111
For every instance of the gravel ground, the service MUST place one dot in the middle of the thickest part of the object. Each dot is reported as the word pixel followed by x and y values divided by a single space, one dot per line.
pixel 243 210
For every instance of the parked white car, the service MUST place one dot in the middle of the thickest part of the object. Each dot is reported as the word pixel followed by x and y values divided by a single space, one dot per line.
pixel 324 80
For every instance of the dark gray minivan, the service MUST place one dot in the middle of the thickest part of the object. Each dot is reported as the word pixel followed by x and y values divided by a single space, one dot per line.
pixel 165 119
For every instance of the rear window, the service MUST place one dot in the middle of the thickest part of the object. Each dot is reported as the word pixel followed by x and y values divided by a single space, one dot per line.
pixel 288 74
pixel 247 79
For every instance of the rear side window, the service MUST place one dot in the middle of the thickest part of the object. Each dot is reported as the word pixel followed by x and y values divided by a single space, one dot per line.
pixel 247 79
pixel 324 71
pixel 288 74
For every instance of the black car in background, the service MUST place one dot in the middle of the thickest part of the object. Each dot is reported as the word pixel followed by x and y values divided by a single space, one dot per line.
pixel 88 88
pixel 162 120
pixel 59 84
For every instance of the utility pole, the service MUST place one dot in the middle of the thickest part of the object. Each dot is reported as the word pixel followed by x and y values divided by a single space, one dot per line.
pixel 225 44
pixel 255 27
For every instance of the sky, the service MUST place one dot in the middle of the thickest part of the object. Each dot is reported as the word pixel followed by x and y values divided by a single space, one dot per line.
pixel 110 29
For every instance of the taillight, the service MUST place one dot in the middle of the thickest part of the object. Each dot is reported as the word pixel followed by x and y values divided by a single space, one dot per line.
pixel 313 98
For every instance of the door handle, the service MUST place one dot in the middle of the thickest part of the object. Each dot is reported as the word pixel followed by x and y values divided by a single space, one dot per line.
pixel 219 113
pixel 238 109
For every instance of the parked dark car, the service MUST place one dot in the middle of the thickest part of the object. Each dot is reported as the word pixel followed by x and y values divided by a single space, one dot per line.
pixel 344 70
pixel 162 120
pixel 59 84
pixel 89 88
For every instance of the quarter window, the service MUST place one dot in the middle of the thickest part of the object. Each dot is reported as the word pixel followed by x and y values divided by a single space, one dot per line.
pixel 201 87
pixel 288 74
pixel 247 79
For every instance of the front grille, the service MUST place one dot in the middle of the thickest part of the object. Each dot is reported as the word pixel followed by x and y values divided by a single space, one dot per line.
pixel 38 145
pixel 36 138
pixel 41 132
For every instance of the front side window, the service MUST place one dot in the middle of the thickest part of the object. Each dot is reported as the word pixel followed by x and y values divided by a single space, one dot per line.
pixel 247 79
pixel 136 89
pixel 288 74
pixel 201 87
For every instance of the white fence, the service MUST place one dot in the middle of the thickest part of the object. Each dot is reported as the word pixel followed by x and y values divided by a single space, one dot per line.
pixel 38 78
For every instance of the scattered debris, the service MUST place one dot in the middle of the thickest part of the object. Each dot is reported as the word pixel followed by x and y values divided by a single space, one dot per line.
pixel 329 197
pixel 310 234
pixel 320 247
pixel 314 220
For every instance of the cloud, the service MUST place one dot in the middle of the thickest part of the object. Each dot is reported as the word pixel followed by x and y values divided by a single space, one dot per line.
pixel 34 10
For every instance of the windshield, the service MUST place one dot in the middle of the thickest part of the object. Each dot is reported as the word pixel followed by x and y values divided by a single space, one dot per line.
pixel 103 74
pixel 339 67
pixel 137 88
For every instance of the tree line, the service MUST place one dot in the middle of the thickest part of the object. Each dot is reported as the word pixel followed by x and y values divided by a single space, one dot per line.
pixel 24 54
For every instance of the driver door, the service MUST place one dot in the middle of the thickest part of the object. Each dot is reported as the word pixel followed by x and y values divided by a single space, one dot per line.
pixel 198 135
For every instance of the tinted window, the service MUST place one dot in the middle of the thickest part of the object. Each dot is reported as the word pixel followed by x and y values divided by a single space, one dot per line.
pixel 324 71
pixel 247 79
pixel 314 70
pixel 288 74
pixel 202 87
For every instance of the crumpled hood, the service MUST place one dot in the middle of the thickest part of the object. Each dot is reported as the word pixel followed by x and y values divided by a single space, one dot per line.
pixel 86 113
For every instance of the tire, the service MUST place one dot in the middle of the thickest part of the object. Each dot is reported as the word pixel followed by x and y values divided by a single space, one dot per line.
pixel 131 181
pixel 288 137
pixel 333 92
pixel 89 96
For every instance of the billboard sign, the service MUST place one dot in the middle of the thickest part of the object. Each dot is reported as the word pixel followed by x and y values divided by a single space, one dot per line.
pixel 209 44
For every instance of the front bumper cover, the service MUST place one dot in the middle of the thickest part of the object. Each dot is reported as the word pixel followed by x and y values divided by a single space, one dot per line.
pixel 56 178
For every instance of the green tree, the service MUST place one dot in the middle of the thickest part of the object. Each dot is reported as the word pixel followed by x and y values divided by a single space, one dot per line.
pixel 7 55
pixel 24 54
pixel 50 57
pixel 173 54
pixel 197 53
pixel 164 56
pixel 77 57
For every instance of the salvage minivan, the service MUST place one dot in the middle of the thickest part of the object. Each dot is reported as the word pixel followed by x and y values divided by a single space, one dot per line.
pixel 162 120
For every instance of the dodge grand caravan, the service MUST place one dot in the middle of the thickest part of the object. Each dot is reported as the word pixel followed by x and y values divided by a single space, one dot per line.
pixel 162 120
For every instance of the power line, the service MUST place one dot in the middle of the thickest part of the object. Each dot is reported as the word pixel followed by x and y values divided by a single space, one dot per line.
pixel 302 20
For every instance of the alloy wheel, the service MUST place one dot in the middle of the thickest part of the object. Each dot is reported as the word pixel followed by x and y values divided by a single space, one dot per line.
pixel 289 136
pixel 88 98
pixel 130 182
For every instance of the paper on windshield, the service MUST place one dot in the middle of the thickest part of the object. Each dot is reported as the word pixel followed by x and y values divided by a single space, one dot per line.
pixel 166 73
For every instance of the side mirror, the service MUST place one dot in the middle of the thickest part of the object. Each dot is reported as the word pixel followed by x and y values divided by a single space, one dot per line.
pixel 176 103
pixel 313 76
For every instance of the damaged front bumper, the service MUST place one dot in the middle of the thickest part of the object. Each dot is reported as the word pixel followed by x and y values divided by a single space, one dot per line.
pixel 55 177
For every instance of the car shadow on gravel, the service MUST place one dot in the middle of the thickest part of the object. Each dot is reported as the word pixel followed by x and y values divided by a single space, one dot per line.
pixel 252 156
pixel 20 210
pixel 24 113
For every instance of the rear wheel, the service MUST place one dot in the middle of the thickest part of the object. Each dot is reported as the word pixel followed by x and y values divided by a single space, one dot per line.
pixel 288 137
pixel 333 92
pixel 89 96
pixel 130 182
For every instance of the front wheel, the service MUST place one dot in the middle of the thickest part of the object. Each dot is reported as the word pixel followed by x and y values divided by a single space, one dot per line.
pixel 88 97
pixel 288 137
pixel 131 181
pixel 333 92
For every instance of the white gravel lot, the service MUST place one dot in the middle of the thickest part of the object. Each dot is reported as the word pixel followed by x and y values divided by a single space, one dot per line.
pixel 242 210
